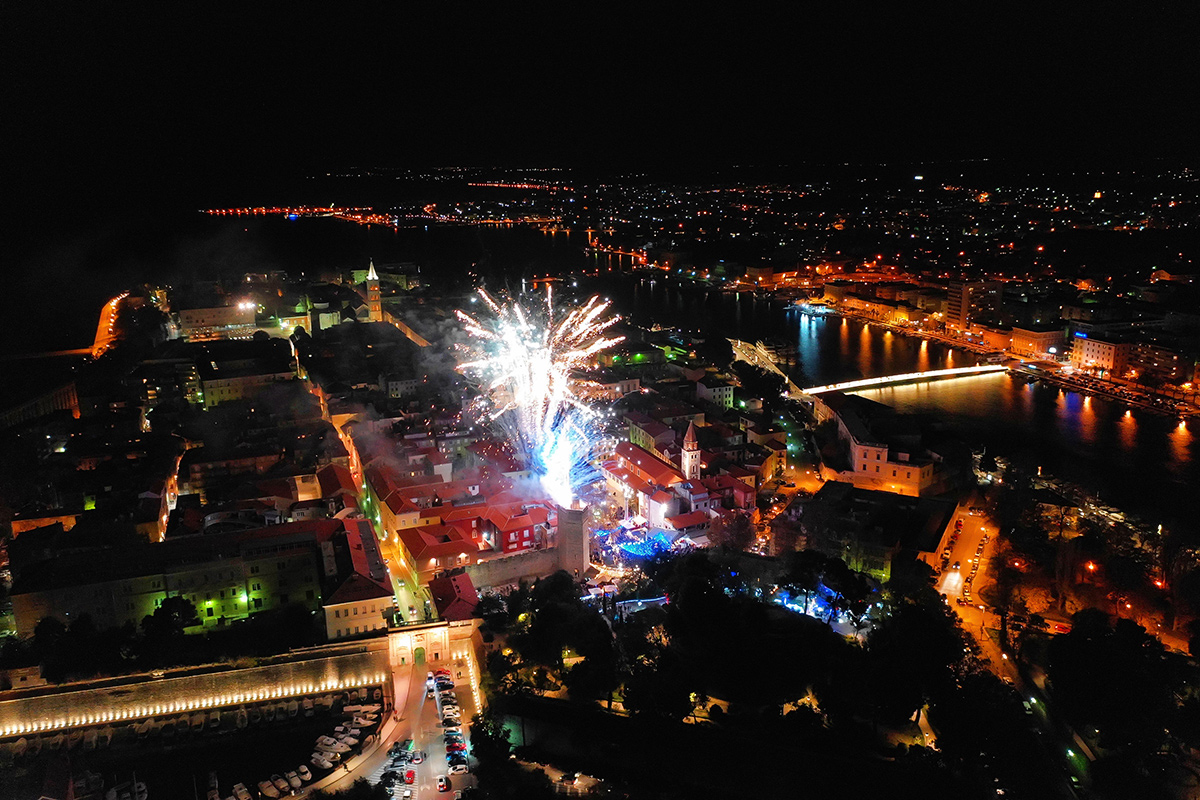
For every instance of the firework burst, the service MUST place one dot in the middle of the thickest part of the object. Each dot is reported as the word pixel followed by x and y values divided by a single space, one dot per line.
pixel 524 356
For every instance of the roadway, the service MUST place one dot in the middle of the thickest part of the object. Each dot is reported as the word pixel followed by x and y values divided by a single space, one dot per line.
pixel 415 716
pixel 983 625
pixel 106 328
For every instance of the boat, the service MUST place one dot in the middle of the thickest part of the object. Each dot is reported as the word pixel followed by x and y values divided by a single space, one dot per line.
pixel 304 774
pixel 20 747
pixel 255 715
pixel 293 779
pixel 326 702
pixel 280 712
pixel 242 720
pixel 143 730
pixel 198 721
pixel 266 789
pixel 89 739
pixel 351 709
pixel 319 761
pixel 269 712
pixel 56 741
pixel 293 708
pixel 359 722
pixel 213 794
pixel 307 705
pixel 212 781
pixel 241 792
pixel 106 736
pixel 214 718
pixel 281 784
pixel 140 792
pixel 332 745
pixel 35 745
pixel 346 738
pixel 344 729
pixel 372 709
pixel 182 726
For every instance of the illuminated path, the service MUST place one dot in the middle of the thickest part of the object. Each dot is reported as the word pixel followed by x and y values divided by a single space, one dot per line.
pixel 887 380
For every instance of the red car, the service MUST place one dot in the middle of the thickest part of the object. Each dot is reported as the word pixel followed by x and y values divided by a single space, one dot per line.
pixel 455 747
pixel 410 776
pixel 445 672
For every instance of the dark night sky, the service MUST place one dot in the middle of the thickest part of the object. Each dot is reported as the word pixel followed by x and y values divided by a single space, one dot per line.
pixel 119 121
pixel 174 99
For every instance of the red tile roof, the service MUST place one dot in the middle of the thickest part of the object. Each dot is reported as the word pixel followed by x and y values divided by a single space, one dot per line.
pixel 357 588
pixel 436 541
pixel 454 596
pixel 647 466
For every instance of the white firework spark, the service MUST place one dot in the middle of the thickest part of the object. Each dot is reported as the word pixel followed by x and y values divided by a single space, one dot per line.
pixel 525 357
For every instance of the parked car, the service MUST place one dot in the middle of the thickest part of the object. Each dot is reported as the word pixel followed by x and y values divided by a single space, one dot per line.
pixel 410 776
pixel 458 769
pixel 416 757
pixel 455 747
pixel 443 783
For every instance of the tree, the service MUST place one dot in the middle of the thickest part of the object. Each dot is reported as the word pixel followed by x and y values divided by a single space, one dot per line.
pixel 494 612
pixel 1113 677
pixel 489 737
pixel 162 640
pixel 732 532
pixel 803 572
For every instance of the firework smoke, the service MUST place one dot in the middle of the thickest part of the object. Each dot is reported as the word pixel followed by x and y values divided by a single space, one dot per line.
pixel 525 357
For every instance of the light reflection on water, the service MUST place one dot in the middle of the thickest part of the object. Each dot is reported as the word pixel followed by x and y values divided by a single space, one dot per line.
pixel 1141 461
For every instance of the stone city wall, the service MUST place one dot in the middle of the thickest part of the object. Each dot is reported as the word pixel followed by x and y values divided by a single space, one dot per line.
pixel 128 699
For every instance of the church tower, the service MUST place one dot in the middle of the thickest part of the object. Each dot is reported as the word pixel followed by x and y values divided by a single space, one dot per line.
pixel 689 459
pixel 374 301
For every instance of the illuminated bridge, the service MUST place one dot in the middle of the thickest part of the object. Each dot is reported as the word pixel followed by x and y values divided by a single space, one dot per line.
pixel 907 377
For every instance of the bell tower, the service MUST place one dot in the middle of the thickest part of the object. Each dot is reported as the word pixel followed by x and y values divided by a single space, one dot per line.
pixel 689 459
pixel 374 300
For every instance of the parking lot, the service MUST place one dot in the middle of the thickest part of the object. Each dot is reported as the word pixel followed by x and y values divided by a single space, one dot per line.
pixel 418 765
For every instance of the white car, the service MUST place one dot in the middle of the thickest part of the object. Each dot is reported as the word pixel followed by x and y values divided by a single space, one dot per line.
pixel 457 769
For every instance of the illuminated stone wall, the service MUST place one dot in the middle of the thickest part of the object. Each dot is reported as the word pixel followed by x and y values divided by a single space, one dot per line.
pixel 125 700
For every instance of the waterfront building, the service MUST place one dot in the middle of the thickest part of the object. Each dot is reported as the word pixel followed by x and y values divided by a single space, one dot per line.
pixel 1038 341
pixel 234 321
pixel 1106 356
pixel 866 444
pixel 970 301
